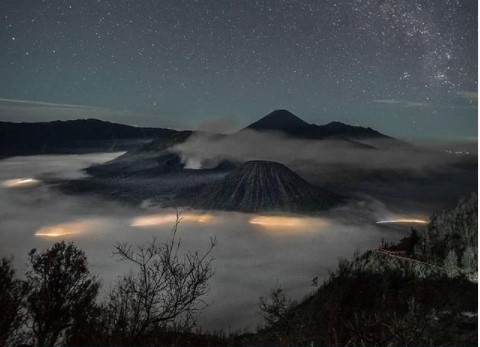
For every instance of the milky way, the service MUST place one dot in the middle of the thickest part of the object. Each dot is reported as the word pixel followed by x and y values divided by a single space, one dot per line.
pixel 408 68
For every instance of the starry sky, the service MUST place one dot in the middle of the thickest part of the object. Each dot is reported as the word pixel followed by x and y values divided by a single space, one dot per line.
pixel 407 68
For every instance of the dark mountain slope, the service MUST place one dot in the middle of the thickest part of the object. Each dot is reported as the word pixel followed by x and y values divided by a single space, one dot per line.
pixel 152 158
pixel 260 186
pixel 74 136
pixel 341 129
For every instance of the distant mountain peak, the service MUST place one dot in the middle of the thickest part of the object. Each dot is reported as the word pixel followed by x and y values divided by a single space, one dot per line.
pixel 285 122
pixel 278 120
pixel 335 122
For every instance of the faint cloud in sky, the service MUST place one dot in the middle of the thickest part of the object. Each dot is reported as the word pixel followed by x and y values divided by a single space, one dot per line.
pixel 470 96
pixel 399 102
pixel 17 110
pixel 32 103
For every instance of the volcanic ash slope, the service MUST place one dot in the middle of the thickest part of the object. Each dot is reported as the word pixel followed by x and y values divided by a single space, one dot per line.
pixel 261 186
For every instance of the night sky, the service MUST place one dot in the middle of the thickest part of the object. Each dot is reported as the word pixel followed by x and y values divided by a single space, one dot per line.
pixel 407 68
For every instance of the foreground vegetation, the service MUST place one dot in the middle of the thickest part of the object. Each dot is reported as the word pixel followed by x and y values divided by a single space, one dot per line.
pixel 57 302
pixel 421 291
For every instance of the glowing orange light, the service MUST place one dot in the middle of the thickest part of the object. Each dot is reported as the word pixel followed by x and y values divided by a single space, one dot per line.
pixel 160 219
pixel 277 221
pixel 20 182
pixel 283 224
pixel 403 221
pixel 60 230
pixel 205 218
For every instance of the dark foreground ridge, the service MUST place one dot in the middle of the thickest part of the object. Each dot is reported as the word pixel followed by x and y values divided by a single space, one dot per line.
pixel 259 186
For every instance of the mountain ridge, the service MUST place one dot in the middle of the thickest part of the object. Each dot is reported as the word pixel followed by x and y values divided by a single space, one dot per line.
pixel 72 136
pixel 285 122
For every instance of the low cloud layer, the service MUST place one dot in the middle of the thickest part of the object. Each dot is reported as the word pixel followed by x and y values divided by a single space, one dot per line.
pixel 203 150
pixel 250 257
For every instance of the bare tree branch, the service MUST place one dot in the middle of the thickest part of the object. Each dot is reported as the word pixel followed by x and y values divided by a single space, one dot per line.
pixel 166 290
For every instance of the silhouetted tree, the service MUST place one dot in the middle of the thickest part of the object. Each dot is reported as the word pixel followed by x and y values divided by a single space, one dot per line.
pixel 275 310
pixel 450 231
pixel 62 290
pixel 87 328
pixel 12 294
pixel 451 263
pixel 165 291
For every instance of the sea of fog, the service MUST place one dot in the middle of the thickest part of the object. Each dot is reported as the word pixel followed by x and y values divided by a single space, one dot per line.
pixel 254 252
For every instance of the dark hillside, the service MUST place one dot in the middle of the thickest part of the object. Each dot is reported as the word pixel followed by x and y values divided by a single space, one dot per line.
pixel 74 136
pixel 391 297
